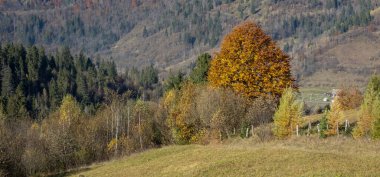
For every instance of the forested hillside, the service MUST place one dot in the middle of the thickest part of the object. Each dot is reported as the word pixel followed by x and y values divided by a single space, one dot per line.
pixel 34 83
pixel 170 34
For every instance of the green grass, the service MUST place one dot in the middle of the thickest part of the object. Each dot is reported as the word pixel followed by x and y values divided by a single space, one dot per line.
pixel 305 156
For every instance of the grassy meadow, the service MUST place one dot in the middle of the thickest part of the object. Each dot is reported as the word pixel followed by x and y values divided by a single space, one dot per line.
pixel 304 156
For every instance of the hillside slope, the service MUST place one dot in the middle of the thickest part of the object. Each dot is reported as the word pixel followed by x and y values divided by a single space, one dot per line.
pixel 320 35
pixel 299 157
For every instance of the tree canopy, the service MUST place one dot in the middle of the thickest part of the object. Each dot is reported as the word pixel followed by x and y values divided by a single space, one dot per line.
pixel 250 63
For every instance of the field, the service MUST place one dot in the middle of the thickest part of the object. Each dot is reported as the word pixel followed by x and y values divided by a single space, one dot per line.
pixel 304 156
pixel 314 96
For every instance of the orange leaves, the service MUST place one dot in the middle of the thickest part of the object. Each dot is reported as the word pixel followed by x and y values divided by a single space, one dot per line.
pixel 250 63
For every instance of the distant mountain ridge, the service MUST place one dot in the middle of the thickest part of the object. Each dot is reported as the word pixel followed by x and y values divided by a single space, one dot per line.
pixel 170 34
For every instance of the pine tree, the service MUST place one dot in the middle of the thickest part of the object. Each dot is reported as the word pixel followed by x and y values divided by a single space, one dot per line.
pixel 32 59
pixel 148 76
pixel 54 95
pixel 82 88
pixel 323 124
pixel 174 81
pixel 202 65
pixel 7 82
pixel 16 108
pixel 145 32
pixel 66 74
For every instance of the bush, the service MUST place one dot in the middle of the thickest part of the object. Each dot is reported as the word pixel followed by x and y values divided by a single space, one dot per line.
pixel 261 111
pixel 349 98
pixel 264 132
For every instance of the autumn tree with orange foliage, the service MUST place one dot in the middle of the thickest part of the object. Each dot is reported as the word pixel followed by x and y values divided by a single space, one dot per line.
pixel 250 63
pixel 349 98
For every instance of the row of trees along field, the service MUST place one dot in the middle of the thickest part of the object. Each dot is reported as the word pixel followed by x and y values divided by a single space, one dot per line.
pixel 245 90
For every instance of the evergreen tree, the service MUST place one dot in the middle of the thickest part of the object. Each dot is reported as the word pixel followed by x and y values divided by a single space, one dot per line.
pixel 16 108
pixel 32 59
pixel 7 82
pixel 323 124
pixel 145 32
pixel 82 88
pixel 199 72
pixel 174 81
pixel 149 76
pixel 54 95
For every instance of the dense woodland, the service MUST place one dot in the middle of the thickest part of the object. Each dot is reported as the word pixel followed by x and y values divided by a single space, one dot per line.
pixel 34 83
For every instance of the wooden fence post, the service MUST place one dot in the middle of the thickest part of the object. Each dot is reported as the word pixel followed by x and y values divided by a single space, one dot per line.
pixel 346 126
pixel 319 130
pixel 252 129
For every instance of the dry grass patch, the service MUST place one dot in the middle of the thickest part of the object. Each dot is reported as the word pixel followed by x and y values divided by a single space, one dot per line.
pixel 351 115
pixel 305 156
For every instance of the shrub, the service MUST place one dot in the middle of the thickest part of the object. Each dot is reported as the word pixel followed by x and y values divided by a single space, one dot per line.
pixel 349 98
pixel 323 125
pixel 261 111
pixel 264 132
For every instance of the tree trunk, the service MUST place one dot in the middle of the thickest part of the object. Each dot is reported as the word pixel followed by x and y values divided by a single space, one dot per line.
pixel 141 145
pixel 128 123
pixel 117 117
pixel 252 130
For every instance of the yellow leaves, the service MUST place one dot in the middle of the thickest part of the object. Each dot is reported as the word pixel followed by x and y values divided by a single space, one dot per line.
pixel 181 106
pixel 111 145
pixel 364 123
pixel 35 126
pixel 250 59
pixel 334 117
pixel 368 113
pixel 69 110
pixel 288 115
pixel 169 98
